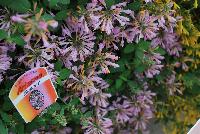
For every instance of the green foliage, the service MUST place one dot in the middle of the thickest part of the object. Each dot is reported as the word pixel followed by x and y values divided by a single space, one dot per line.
pixel 17 5
pixel 3 34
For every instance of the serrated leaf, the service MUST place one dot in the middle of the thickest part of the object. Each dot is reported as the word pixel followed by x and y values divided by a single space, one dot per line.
pixel 3 34
pixel 64 73
pixel 129 48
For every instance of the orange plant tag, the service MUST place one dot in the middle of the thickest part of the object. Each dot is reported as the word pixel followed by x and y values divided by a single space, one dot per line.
pixel 32 93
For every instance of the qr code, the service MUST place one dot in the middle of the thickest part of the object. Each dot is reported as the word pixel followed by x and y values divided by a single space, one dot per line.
pixel 36 99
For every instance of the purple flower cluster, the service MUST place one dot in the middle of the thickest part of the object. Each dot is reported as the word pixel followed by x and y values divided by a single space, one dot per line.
pixel 5 59
pixel 89 57
pixel 135 111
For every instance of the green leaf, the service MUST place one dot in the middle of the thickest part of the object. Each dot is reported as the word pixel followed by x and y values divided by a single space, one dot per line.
pixel 195 3
pixel 64 73
pixel 62 15
pixel 58 65
pixel 5 117
pixel 144 45
pixel 47 17
pixel 109 3
pixel 141 68
pixel 88 114
pixel 65 2
pixel 53 3
pixel 17 5
pixel 129 48
pixel 75 101
pixel 118 83
pixel 54 107
pixel 3 129
pixel 160 51
pixel 18 40
pixel 20 129
pixel 82 2
pixel 3 34
pixel 133 86
pixel 59 81
pixel 139 54
pixel 135 6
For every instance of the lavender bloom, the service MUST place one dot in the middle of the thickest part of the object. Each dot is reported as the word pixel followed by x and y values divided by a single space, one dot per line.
pixel 112 40
pixel 143 26
pixel 156 66
pixel 98 126
pixel 83 83
pixel 166 18
pixel 124 110
pixel 103 18
pixel 104 60
pixel 100 98
pixel 5 22
pixel 172 85
pixel 35 26
pixel 5 63
pixel 37 57
pixel 143 110
pixel 78 43
pixel 122 34
pixel 5 60
pixel 168 41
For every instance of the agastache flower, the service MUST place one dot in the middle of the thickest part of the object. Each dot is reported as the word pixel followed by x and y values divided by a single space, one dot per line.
pixel 168 41
pixel 104 18
pixel 104 60
pixel 167 18
pixel 5 22
pixel 172 85
pixel 78 43
pixel 98 126
pixel 143 26
pixel 143 110
pixel 155 66
pixel 5 60
pixel 82 82
pixel 100 98
pixel 36 27
pixel 37 57
pixel 123 108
